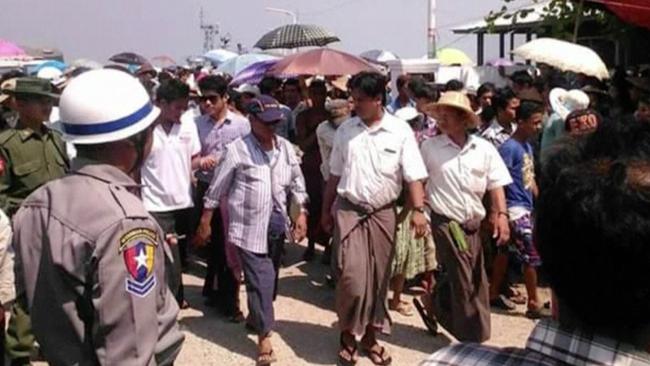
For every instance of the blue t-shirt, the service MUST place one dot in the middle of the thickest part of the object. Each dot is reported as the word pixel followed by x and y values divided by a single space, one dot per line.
pixel 518 157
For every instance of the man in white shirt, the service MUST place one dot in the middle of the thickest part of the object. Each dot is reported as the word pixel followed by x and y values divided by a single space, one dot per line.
pixel 166 173
pixel 372 155
pixel 462 168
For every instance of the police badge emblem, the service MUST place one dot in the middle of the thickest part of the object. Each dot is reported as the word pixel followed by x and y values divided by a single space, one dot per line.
pixel 139 261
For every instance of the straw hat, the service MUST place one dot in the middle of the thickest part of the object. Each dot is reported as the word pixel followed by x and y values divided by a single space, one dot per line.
pixel 456 100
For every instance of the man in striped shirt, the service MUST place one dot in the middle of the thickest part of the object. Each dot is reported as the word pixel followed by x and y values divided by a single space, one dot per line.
pixel 258 173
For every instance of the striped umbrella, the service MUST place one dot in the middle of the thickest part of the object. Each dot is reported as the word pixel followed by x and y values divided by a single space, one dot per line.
pixel 296 35
pixel 235 65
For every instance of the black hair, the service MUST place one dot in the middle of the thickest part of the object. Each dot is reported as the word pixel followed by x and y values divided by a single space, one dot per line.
pixel 522 77
pixel 214 83
pixel 402 80
pixel 269 84
pixel 427 91
pixel 593 228
pixel 171 90
pixel 486 88
pixel 318 84
pixel 454 85
pixel 502 97
pixel 234 98
pixel 372 84
pixel 292 82
pixel 527 108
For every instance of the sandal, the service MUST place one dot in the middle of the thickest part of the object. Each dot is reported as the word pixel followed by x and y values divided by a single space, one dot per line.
pixel 502 302
pixel 431 324
pixel 266 358
pixel 350 351
pixel 378 357
pixel 403 308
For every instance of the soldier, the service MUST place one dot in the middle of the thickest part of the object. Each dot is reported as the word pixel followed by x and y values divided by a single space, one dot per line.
pixel 30 155
pixel 89 257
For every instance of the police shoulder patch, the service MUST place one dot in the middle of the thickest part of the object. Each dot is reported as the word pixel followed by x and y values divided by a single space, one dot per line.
pixel 138 248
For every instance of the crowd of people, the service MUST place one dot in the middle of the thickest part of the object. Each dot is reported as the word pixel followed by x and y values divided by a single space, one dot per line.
pixel 114 179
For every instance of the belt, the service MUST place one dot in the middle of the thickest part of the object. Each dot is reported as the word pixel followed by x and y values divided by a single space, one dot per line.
pixel 366 208
pixel 470 227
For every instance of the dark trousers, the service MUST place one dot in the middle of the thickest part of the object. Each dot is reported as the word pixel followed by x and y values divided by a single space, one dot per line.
pixel 261 276
pixel 220 283
pixel 177 223
pixel 19 340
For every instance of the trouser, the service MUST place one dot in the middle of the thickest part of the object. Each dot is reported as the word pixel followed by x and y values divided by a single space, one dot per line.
pixel 176 223
pixel 261 275
pixel 20 338
pixel 220 283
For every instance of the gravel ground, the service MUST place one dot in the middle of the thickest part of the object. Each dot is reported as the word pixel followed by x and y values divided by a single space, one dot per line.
pixel 306 332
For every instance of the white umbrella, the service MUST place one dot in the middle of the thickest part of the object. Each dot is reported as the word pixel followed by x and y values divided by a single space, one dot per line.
pixel 380 56
pixel 565 56
pixel 219 55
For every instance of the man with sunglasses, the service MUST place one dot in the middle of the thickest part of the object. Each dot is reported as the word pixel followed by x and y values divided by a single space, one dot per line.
pixel 30 155
pixel 217 127
pixel 258 173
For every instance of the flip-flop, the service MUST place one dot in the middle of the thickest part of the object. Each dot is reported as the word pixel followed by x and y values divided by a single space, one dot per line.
pixel 381 357
pixel 431 324
pixel 351 351
pixel 265 358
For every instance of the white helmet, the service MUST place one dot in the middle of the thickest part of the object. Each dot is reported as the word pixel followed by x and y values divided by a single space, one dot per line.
pixel 101 106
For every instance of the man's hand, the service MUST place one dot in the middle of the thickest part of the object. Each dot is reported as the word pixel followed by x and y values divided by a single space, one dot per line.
pixel 208 162
pixel 204 231
pixel 327 222
pixel 419 224
pixel 500 228
pixel 300 228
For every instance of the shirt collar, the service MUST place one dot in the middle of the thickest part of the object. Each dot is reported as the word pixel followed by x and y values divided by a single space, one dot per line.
pixel 104 172
pixel 499 129
pixel 470 143
pixel 384 123
pixel 26 133
pixel 570 346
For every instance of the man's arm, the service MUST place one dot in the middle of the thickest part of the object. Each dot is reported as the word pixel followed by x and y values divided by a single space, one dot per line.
pixel 329 196
pixel 299 195
pixel 499 216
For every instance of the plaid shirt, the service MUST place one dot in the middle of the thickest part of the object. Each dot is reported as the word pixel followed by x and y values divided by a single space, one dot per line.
pixel 548 345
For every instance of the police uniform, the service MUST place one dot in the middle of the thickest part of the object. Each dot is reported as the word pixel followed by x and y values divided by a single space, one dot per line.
pixel 93 262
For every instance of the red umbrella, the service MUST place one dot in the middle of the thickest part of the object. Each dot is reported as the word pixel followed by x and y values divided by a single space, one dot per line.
pixel 321 61
pixel 636 12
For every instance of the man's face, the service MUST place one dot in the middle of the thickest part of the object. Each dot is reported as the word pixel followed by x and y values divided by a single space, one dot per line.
pixel 213 103
pixel 420 103
pixel 532 125
pixel 365 107
pixel 277 93
pixel 643 112
pixel 172 111
pixel 486 99
pixel 262 128
pixel 318 96
pixel 291 94
pixel 450 121
pixel 34 108
pixel 509 113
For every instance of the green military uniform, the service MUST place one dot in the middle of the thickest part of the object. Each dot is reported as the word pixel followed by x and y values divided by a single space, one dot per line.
pixel 30 160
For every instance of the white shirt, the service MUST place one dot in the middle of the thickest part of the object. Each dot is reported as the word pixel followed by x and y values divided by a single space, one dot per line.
pixel 373 162
pixel 166 172
pixel 325 133
pixel 459 178
pixel 496 134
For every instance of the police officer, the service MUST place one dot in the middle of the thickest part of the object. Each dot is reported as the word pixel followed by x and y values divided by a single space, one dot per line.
pixel 89 257
pixel 30 155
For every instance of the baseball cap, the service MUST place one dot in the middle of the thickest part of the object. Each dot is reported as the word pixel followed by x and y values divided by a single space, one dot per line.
pixel 265 108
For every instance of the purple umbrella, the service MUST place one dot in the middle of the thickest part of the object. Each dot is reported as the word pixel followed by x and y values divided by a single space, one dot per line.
pixel 8 49
pixel 254 73
pixel 498 62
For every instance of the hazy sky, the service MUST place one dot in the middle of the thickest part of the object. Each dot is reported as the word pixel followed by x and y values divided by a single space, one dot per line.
pixel 97 29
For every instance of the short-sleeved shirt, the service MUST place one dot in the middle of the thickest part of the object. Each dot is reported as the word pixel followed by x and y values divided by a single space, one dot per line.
pixel 374 161
pixel 214 136
pixel 518 157
pixel 325 133
pixel 496 134
pixel 460 176
pixel 166 174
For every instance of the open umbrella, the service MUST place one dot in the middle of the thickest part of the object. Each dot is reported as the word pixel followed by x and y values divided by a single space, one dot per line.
pixel 565 56
pixel 321 61
pixel 236 64
pixel 254 73
pixel 453 56
pixel 163 61
pixel 499 62
pixel 9 49
pixel 296 35
pixel 379 56
pixel 130 58
pixel 219 55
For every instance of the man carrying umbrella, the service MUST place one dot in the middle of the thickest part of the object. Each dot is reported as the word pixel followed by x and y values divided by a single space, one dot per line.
pixel 372 155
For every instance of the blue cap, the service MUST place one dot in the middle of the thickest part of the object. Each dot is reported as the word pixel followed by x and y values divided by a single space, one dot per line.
pixel 266 108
